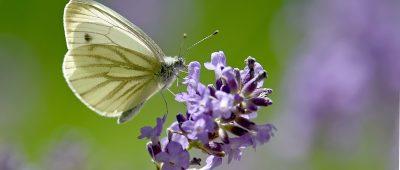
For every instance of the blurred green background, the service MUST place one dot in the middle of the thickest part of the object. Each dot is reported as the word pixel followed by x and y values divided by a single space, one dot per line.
pixel 44 126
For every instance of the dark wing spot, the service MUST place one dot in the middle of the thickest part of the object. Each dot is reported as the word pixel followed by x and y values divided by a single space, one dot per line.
pixel 88 38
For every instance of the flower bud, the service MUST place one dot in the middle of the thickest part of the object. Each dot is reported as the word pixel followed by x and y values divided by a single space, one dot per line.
pixel 180 118
pixel 251 107
pixel 261 76
pixel 261 92
pixel 225 88
pixel 237 76
pixel 246 123
pixel 153 149
pixel 212 89
pixel 249 87
pixel 238 99
pixel 261 101
pixel 218 84
pixel 236 130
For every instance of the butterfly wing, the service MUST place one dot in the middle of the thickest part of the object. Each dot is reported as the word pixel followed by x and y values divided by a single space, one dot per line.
pixel 89 22
pixel 110 64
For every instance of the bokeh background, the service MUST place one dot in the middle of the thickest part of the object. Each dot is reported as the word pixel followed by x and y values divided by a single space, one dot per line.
pixel 334 67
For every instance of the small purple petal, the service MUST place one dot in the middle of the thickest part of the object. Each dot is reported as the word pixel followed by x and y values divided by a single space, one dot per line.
pixel 174 157
pixel 209 66
pixel 146 132
pixel 162 157
pixel 174 148
pixel 218 63
pixel 223 106
pixel 153 133
pixel 193 74
pixel 199 129
pixel 181 97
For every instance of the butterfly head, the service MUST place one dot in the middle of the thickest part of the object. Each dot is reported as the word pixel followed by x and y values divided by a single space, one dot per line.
pixel 179 63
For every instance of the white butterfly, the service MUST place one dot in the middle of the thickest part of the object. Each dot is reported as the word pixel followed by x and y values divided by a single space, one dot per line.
pixel 111 65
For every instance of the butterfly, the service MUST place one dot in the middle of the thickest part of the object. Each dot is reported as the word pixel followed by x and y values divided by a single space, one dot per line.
pixel 111 65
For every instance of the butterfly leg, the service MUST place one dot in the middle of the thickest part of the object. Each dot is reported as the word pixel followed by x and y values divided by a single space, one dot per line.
pixel 177 83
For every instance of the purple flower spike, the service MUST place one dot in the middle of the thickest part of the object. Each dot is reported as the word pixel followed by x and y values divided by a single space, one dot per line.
pixel 218 63
pixel 217 120
pixel 199 129
pixel 174 157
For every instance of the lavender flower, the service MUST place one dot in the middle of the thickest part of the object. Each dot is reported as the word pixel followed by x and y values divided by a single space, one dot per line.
pixel 217 119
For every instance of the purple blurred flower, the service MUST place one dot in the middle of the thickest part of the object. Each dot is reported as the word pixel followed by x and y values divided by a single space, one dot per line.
pixel 69 153
pixel 213 112
pixel 174 157
pixel 346 74
pixel 10 159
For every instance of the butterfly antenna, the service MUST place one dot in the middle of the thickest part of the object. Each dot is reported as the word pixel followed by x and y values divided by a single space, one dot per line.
pixel 205 38
pixel 165 101
pixel 182 43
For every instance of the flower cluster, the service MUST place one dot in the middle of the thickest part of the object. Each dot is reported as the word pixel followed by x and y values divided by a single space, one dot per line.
pixel 218 117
